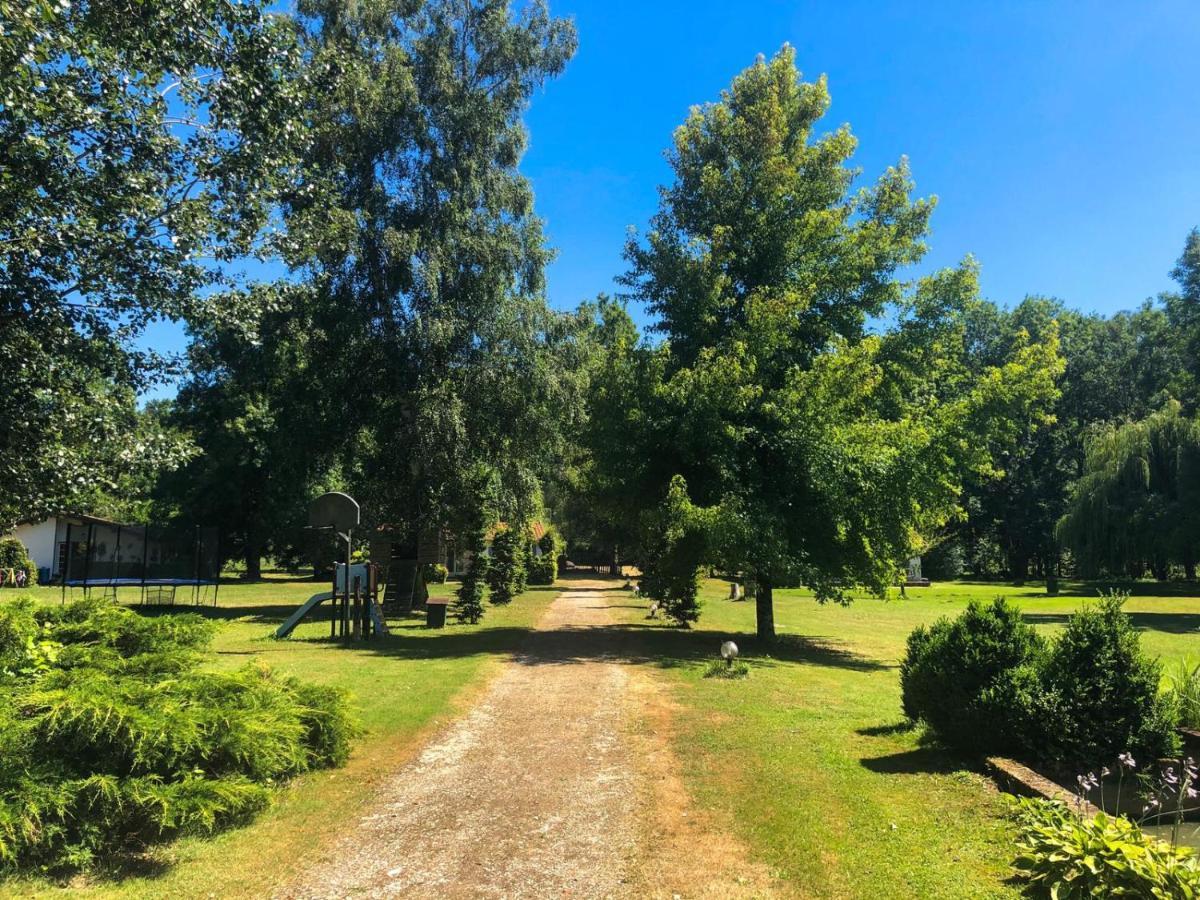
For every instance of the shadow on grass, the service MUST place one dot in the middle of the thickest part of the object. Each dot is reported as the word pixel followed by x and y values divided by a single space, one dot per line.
pixel 634 643
pixel 1169 623
pixel 918 761
pixel 902 727
pixel 1036 590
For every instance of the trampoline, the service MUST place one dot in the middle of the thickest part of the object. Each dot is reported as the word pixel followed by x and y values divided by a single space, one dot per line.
pixel 156 560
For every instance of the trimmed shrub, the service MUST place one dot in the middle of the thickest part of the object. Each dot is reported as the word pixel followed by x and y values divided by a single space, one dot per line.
pixel 1064 855
pixel 506 574
pixel 435 573
pixel 986 683
pixel 15 558
pixel 112 738
pixel 1100 693
pixel 543 568
pixel 970 678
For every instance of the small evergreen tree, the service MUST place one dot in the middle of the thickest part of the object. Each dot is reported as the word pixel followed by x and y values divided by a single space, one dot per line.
pixel 507 574
pixel 469 608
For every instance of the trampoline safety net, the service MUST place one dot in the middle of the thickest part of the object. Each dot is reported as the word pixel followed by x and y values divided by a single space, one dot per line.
pixel 110 555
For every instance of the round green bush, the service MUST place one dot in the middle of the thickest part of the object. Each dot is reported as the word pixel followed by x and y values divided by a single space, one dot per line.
pixel 543 569
pixel 1100 694
pixel 970 679
pixel 435 573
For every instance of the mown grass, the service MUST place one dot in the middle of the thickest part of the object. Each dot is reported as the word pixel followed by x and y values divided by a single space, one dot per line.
pixel 808 758
pixel 401 687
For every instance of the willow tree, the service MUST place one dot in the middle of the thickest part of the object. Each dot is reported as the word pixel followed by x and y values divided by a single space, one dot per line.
pixel 1137 505
pixel 814 448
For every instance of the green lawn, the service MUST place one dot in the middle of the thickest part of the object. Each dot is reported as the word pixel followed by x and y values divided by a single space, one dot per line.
pixel 401 686
pixel 808 758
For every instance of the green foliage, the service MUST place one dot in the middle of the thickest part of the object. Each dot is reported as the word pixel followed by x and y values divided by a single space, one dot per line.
pixel 424 262
pixel 1065 856
pixel 143 151
pixel 506 575
pixel 676 546
pixel 543 566
pixel 719 668
pixel 435 573
pixel 543 569
pixel 468 607
pixel 968 678
pixel 1116 369
pixel 113 738
pixel 945 562
pixel 1183 311
pixel 1137 505
pixel 14 557
pixel 985 683
pixel 1100 693
pixel 1184 678
pixel 820 450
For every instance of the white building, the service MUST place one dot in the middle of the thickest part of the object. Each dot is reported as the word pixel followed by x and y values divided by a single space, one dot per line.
pixel 46 539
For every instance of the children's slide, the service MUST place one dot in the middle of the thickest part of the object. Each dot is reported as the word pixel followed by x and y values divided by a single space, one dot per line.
pixel 309 605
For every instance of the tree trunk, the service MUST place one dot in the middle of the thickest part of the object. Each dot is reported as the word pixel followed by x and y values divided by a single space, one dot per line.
pixel 253 561
pixel 765 608
pixel 614 563
pixel 1189 569
pixel 1018 567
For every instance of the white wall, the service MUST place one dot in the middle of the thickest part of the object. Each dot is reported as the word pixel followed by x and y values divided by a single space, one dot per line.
pixel 38 538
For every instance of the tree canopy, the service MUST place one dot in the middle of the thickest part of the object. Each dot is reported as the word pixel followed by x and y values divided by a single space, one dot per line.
pixel 822 445
pixel 142 146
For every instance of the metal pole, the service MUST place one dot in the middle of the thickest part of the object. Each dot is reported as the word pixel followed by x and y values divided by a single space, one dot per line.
pixel 196 570
pixel 349 553
pixel 115 570
pixel 145 558
pixel 87 560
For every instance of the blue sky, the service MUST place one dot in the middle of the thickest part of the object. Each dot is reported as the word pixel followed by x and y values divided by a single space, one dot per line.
pixel 1061 138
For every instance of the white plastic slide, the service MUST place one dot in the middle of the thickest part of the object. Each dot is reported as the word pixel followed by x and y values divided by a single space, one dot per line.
pixel 294 619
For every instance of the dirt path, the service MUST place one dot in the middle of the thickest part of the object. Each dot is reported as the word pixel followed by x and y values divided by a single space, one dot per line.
pixel 541 790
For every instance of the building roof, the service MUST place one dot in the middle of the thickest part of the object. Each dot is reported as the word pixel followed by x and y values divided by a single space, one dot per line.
pixel 82 517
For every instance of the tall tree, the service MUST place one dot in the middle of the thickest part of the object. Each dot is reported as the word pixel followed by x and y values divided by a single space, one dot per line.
pixel 822 452
pixel 1116 370
pixel 417 231
pixel 142 145
pixel 1137 506
pixel 1183 310
pixel 252 390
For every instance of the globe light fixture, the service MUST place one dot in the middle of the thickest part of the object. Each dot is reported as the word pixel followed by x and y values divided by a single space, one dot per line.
pixel 729 652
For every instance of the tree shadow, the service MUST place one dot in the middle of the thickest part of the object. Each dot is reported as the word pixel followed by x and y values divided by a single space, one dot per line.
pixel 1167 622
pixel 902 727
pixel 1036 590
pixel 918 761
pixel 643 644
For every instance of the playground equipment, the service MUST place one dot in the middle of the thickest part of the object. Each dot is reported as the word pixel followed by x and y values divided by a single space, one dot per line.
pixel 156 560
pixel 354 610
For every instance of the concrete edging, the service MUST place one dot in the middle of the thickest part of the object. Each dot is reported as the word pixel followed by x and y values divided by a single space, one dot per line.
pixel 1020 779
